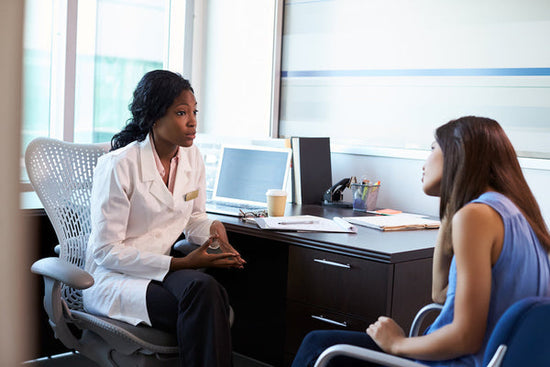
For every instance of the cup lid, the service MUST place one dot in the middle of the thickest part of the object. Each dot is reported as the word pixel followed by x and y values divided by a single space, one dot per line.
pixel 275 192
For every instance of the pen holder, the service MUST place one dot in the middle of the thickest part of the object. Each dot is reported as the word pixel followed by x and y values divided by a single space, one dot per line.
pixel 364 196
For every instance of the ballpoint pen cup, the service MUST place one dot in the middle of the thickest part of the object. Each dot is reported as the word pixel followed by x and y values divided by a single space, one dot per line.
pixel 364 196
pixel 276 202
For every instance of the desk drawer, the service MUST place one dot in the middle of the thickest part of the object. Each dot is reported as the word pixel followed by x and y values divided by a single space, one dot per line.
pixel 342 283
pixel 301 319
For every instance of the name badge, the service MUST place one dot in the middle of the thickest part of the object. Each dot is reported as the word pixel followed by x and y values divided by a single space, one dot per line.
pixel 191 195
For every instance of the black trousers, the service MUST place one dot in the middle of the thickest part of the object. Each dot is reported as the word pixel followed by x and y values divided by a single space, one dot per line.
pixel 195 306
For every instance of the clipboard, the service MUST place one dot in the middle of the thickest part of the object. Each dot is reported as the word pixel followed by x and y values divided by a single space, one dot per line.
pixel 306 223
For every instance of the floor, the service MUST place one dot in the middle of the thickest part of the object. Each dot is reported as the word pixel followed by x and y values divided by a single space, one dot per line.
pixel 71 360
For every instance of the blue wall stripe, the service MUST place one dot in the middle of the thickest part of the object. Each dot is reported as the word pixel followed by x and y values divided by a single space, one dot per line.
pixel 418 72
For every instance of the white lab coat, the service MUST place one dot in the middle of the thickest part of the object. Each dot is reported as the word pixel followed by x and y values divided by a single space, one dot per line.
pixel 135 221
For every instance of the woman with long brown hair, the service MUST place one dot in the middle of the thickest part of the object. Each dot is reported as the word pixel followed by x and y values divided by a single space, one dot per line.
pixel 491 223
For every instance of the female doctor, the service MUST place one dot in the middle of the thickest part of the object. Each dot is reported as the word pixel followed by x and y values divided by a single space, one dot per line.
pixel 146 191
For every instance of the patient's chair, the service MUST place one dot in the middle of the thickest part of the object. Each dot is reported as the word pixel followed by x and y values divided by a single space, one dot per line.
pixel 61 173
pixel 520 338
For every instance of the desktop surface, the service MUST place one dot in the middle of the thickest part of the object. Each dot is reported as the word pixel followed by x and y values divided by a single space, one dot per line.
pixel 385 246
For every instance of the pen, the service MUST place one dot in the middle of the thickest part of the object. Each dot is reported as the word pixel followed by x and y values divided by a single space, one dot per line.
pixel 300 222
pixel 375 212
pixel 345 224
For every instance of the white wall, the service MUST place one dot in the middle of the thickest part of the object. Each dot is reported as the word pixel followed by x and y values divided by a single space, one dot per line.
pixel 14 272
pixel 401 187
pixel 539 181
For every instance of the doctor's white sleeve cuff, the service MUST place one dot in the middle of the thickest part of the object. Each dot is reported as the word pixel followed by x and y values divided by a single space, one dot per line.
pixel 198 229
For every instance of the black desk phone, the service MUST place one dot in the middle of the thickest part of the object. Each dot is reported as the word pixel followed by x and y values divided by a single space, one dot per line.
pixel 334 195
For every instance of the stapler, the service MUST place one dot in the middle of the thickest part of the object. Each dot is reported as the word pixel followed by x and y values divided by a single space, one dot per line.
pixel 334 195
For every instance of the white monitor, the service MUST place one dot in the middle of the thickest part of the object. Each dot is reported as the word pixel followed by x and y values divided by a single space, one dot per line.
pixel 245 173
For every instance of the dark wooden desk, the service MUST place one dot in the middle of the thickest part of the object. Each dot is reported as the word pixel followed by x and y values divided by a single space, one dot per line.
pixel 297 282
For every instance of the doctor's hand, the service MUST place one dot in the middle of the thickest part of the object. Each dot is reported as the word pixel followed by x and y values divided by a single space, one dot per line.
pixel 217 230
pixel 200 258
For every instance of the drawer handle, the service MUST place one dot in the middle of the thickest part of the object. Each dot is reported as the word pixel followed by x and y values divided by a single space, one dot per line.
pixel 329 321
pixel 332 263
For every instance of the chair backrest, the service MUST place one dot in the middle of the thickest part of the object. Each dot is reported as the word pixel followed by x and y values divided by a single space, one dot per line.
pixel 525 331
pixel 61 174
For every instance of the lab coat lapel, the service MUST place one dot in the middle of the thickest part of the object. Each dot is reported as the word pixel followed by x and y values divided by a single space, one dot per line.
pixel 183 178
pixel 150 174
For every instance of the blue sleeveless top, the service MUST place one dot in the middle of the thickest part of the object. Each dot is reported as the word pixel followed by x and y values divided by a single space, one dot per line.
pixel 522 252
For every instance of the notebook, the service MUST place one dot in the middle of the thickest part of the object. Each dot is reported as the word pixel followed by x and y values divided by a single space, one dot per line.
pixel 396 222
pixel 244 175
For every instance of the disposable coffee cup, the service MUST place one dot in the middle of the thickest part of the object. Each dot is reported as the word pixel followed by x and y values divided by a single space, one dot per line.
pixel 276 202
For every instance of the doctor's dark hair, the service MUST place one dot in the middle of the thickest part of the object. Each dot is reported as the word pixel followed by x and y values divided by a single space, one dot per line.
pixel 154 94
pixel 477 154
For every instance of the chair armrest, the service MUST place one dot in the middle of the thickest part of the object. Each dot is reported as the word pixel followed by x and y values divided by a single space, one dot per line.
pixel 184 247
pixel 496 361
pixel 55 273
pixel 364 355
pixel 420 315
pixel 60 270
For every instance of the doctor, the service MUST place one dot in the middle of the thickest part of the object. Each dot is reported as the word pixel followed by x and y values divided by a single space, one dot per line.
pixel 146 191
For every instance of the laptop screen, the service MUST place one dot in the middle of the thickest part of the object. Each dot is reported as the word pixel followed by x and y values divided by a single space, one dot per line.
pixel 246 173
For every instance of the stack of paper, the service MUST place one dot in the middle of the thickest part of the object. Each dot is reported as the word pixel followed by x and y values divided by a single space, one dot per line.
pixel 397 222
pixel 305 223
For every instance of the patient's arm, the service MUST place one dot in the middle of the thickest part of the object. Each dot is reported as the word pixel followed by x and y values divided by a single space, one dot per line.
pixel 441 264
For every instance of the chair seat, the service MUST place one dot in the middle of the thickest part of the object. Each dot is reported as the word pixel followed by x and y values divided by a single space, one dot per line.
pixel 62 175
pixel 126 337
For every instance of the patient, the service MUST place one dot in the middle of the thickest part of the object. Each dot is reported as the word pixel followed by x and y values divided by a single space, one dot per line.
pixel 491 224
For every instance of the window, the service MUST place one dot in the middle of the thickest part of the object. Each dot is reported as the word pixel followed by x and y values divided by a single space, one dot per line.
pixel 83 59
pixel 233 75
pixel 235 72
pixel 385 74
pixel 117 42
pixel 37 64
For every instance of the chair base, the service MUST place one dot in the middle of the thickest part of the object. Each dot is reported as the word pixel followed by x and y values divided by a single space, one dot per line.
pixel 96 349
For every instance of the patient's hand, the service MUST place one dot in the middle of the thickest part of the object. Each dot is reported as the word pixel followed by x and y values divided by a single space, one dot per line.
pixel 386 333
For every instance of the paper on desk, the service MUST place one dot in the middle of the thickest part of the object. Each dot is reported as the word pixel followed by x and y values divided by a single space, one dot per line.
pixel 303 223
pixel 397 222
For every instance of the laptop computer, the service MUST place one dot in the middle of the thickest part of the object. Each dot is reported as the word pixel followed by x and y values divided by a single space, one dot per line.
pixel 244 175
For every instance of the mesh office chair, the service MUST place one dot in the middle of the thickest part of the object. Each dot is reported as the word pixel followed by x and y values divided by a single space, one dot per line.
pixel 61 173
pixel 520 338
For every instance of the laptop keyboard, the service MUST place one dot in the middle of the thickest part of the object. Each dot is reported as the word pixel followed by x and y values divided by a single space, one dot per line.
pixel 231 208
